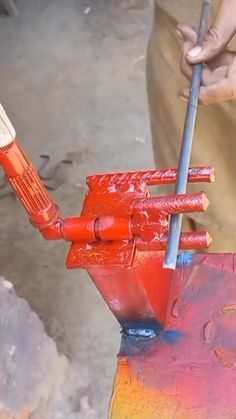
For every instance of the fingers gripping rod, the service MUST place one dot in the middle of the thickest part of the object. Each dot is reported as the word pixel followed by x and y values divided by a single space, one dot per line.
pixel 186 146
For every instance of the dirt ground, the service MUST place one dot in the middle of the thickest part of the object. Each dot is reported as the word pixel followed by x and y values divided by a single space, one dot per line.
pixel 72 76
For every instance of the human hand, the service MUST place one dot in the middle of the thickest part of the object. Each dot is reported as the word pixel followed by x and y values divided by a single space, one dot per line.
pixel 219 72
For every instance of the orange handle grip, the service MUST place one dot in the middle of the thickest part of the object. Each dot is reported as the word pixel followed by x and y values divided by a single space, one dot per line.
pixel 28 186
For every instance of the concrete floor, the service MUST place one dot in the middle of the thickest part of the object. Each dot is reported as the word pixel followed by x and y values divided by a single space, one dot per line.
pixel 74 86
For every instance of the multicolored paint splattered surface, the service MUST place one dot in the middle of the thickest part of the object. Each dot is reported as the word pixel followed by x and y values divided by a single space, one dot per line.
pixel 188 370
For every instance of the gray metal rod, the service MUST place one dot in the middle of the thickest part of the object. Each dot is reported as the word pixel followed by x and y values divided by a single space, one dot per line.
pixel 186 146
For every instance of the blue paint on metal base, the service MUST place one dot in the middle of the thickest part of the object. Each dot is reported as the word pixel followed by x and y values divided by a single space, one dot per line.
pixel 185 259
pixel 144 333
pixel 148 328
pixel 171 336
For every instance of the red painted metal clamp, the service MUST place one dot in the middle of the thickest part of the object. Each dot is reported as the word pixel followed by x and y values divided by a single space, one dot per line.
pixel 118 214
pixel 126 217
pixel 121 231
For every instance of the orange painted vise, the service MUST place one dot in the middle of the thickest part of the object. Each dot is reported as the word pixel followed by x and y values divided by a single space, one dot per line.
pixel 178 353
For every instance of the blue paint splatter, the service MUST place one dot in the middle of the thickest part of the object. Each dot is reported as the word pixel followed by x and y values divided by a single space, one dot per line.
pixel 147 329
pixel 185 259
pixel 171 336
pixel 144 333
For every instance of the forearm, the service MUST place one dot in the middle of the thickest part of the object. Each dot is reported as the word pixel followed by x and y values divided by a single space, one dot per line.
pixel 224 25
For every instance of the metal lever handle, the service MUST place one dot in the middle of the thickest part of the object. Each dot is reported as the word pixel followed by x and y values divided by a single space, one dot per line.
pixel 186 146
